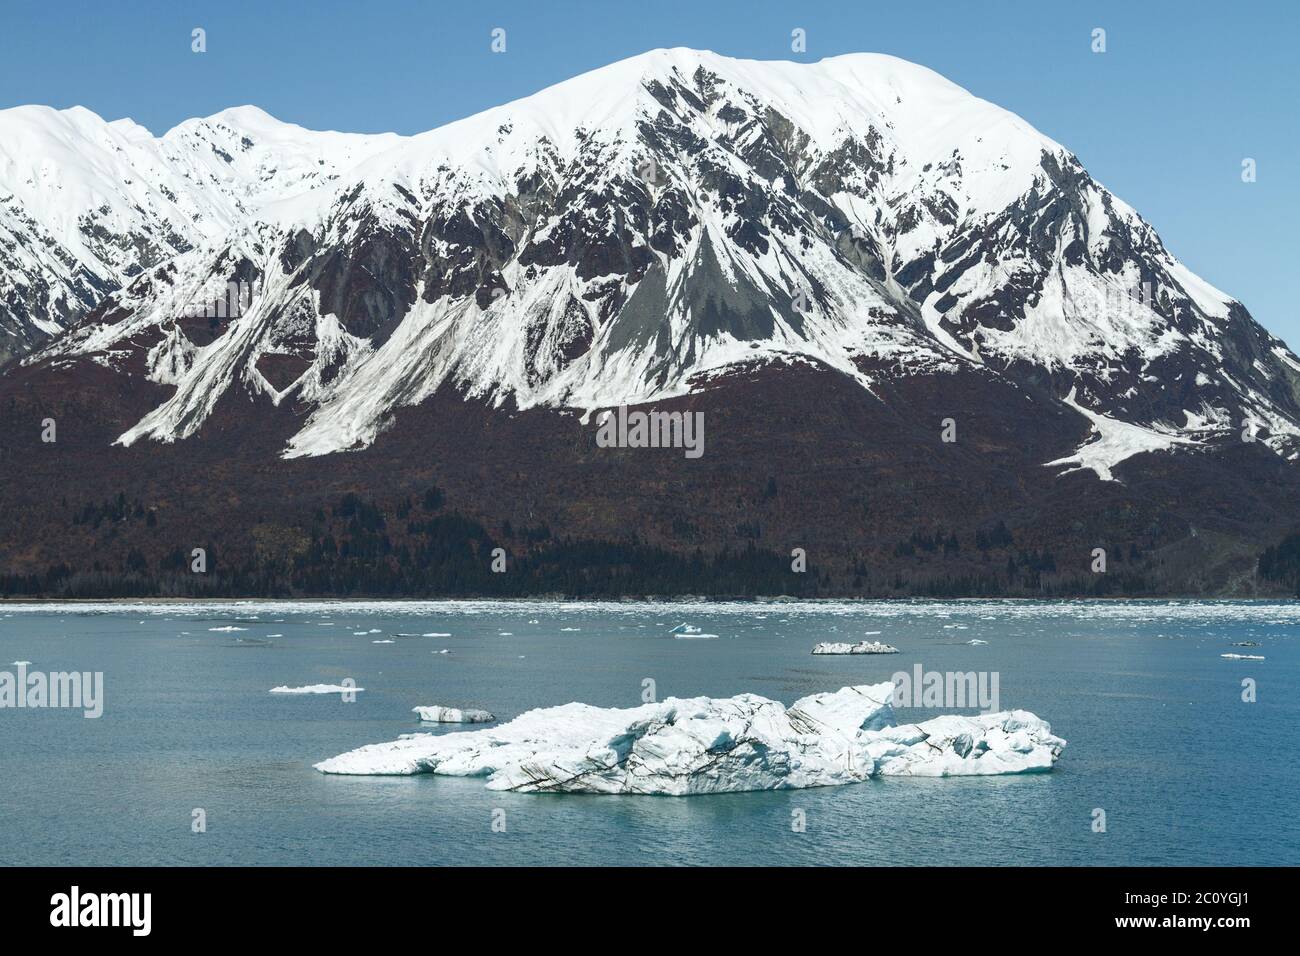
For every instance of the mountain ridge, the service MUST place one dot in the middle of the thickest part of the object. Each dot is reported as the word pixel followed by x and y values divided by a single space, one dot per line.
pixel 590 134
pixel 679 230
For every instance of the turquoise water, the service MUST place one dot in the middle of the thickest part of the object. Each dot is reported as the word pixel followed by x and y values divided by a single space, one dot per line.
pixel 1159 737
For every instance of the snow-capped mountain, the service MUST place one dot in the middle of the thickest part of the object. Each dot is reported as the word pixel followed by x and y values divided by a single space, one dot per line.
pixel 633 234
pixel 86 205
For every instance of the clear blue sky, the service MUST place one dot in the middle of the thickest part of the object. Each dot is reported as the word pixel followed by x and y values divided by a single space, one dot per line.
pixel 1164 118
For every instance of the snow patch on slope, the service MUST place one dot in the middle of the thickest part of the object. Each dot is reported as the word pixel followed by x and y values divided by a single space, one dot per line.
pixel 1117 441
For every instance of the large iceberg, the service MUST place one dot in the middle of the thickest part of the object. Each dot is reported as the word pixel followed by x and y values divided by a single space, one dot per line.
pixel 700 745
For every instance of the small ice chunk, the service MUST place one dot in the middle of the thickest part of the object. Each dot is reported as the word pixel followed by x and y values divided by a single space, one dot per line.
pixel 861 647
pixel 316 689
pixel 453 715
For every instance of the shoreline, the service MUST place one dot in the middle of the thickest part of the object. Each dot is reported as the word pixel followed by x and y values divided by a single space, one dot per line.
pixel 683 600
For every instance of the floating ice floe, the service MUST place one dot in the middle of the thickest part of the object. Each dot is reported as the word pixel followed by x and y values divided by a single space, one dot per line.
pixel 435 634
pixel 861 647
pixel 688 632
pixel 1243 657
pixel 976 641
pixel 453 715
pixel 383 642
pixel 316 689
pixel 681 747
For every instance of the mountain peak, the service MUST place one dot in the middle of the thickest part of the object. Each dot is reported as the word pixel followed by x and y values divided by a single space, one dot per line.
pixel 245 119
pixel 246 115
pixel 634 234
pixel 250 119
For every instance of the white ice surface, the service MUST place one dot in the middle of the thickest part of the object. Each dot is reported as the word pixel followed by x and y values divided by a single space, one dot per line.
pixel 861 647
pixel 315 689
pixel 453 715
pixel 682 747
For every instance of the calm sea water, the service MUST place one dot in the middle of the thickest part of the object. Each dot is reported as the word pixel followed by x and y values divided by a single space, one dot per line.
pixel 1159 737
